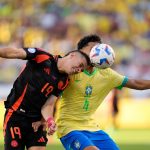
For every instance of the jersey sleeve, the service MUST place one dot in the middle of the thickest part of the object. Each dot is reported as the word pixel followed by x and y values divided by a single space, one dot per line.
pixel 117 80
pixel 36 54
pixel 61 87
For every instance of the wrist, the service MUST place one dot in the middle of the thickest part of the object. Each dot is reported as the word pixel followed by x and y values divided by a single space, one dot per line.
pixel 50 122
pixel 49 119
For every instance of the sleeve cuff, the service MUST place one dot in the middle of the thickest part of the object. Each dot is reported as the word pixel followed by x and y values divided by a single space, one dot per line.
pixel 123 83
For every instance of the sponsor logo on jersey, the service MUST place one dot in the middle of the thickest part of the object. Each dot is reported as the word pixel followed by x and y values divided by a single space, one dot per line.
pixel 22 110
pixel 77 144
pixel 41 140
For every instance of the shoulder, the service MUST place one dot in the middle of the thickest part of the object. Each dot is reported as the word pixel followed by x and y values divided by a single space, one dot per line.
pixel 44 52
pixel 76 77
pixel 106 71
pixel 110 73
pixel 37 54
pixel 34 51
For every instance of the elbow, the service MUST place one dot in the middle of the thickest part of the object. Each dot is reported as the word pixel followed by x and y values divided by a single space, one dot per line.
pixel 41 111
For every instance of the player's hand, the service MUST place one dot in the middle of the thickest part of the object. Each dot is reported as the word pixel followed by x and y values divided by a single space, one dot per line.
pixel 51 125
pixel 37 124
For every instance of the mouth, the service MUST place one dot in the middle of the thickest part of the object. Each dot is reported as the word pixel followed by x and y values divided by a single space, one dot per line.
pixel 74 71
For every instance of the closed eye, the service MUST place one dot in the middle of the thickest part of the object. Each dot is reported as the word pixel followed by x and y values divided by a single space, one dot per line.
pixel 81 65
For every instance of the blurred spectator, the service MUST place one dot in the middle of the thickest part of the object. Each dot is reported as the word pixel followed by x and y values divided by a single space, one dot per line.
pixel 57 26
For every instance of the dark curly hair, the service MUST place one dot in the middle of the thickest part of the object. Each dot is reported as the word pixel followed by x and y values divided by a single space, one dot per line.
pixel 86 39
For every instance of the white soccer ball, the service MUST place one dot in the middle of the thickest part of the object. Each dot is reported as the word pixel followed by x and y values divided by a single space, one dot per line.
pixel 102 56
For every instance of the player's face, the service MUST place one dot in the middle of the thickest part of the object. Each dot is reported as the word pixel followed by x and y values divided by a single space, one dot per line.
pixel 88 48
pixel 76 63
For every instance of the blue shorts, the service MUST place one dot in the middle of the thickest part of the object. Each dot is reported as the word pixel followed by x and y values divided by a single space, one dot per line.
pixel 78 140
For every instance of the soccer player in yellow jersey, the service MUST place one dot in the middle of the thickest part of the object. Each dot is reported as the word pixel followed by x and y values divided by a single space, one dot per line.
pixel 76 128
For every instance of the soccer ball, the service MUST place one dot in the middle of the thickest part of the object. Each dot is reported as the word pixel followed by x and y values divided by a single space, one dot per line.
pixel 102 56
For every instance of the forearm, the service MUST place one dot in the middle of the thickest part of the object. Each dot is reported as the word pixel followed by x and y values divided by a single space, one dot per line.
pixel 138 84
pixel 11 53
pixel 143 84
pixel 48 108
pixel 47 111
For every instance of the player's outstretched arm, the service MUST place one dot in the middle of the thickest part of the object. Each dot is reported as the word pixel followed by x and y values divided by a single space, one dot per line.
pixel 12 53
pixel 138 84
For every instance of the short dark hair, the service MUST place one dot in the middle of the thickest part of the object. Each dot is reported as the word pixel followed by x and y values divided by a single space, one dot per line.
pixel 83 54
pixel 86 39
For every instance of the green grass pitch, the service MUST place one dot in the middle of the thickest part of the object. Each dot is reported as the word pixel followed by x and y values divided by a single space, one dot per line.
pixel 126 139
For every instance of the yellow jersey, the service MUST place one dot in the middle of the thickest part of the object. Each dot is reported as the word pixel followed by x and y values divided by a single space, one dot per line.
pixel 82 97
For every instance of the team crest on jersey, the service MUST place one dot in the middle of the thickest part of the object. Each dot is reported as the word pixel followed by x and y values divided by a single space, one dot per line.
pixel 31 50
pixel 14 143
pixel 77 144
pixel 88 90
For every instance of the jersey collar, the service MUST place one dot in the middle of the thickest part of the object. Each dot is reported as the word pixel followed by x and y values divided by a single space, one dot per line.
pixel 91 74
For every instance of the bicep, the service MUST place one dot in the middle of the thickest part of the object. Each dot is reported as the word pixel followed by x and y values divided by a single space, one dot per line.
pixel 21 54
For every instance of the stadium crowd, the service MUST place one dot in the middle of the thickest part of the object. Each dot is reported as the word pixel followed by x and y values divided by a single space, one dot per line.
pixel 57 25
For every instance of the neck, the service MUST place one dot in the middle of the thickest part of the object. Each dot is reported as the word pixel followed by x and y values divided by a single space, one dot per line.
pixel 60 65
